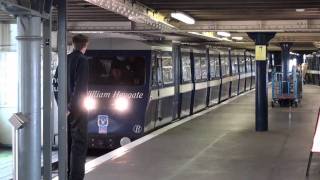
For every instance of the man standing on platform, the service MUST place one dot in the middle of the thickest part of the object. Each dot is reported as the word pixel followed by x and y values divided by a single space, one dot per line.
pixel 77 118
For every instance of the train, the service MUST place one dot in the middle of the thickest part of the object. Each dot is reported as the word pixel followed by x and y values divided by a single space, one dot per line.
pixel 133 92
pixel 313 69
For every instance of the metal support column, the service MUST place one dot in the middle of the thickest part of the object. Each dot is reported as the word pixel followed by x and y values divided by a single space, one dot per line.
pixel 47 101
pixel 29 152
pixel 62 102
pixel 261 41
pixel 285 56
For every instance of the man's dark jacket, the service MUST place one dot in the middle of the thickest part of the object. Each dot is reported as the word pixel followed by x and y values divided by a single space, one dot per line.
pixel 77 80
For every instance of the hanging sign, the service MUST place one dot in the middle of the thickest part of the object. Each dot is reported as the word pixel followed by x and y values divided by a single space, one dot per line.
pixel 261 52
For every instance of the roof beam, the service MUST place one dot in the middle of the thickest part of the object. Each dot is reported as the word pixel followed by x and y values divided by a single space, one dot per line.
pixel 135 12
pixel 231 4
pixel 14 8
pixel 203 26
pixel 255 26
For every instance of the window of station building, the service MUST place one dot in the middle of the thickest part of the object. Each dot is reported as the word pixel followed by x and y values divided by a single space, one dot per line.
pixel 8 79
pixel 117 70
pixel 186 68
pixel 167 69
pixel 8 67
pixel 9 86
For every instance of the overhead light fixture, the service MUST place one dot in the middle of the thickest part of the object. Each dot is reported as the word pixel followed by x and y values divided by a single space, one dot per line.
pixel 238 38
pixel 87 32
pixel 207 35
pixel 226 39
pixel 183 17
pixel 224 34
pixel 300 10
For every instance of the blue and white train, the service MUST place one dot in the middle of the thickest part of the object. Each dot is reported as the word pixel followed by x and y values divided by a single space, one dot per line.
pixel 133 92
pixel 313 72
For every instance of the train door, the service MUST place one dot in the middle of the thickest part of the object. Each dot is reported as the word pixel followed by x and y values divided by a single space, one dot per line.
pixel 316 69
pixel 253 68
pixel 234 74
pixel 186 86
pixel 214 78
pixel 248 71
pixel 225 75
pixel 242 72
pixel 153 106
pixel 166 89
pixel 270 66
pixel 200 80
pixel 311 75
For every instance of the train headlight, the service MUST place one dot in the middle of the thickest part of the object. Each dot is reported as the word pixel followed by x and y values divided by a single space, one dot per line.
pixel 89 103
pixel 121 104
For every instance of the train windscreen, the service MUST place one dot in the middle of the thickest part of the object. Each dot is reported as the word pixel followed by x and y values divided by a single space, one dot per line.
pixel 117 70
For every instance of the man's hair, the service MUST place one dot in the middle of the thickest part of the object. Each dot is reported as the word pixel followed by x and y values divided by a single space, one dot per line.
pixel 79 41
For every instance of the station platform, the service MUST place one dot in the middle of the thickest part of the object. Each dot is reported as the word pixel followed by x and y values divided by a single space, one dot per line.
pixel 6 165
pixel 6 160
pixel 221 143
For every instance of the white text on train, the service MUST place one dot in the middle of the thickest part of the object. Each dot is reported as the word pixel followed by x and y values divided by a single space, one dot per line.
pixel 115 94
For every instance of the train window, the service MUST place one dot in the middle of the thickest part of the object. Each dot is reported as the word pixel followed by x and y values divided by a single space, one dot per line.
pixel 155 68
pixel 204 68
pixel 117 70
pixel 200 67
pixel 214 67
pixel 248 64
pixel 242 64
pixel 186 68
pixel 197 67
pixel 234 62
pixel 167 69
pixel 253 64
pixel 224 65
pixel 159 73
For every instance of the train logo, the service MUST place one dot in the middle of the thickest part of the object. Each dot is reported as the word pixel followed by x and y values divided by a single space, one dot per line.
pixel 103 122
pixel 137 129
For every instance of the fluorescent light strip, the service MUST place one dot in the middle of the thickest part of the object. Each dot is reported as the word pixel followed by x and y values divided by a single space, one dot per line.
pixel 87 32
pixel 224 34
pixel 226 39
pixel 300 10
pixel 238 38
pixel 183 17
pixel 207 36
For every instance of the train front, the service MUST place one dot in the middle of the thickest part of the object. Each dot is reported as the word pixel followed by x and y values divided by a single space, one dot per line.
pixel 117 99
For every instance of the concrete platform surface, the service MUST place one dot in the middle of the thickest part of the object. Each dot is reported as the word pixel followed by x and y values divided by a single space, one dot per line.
pixel 222 145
